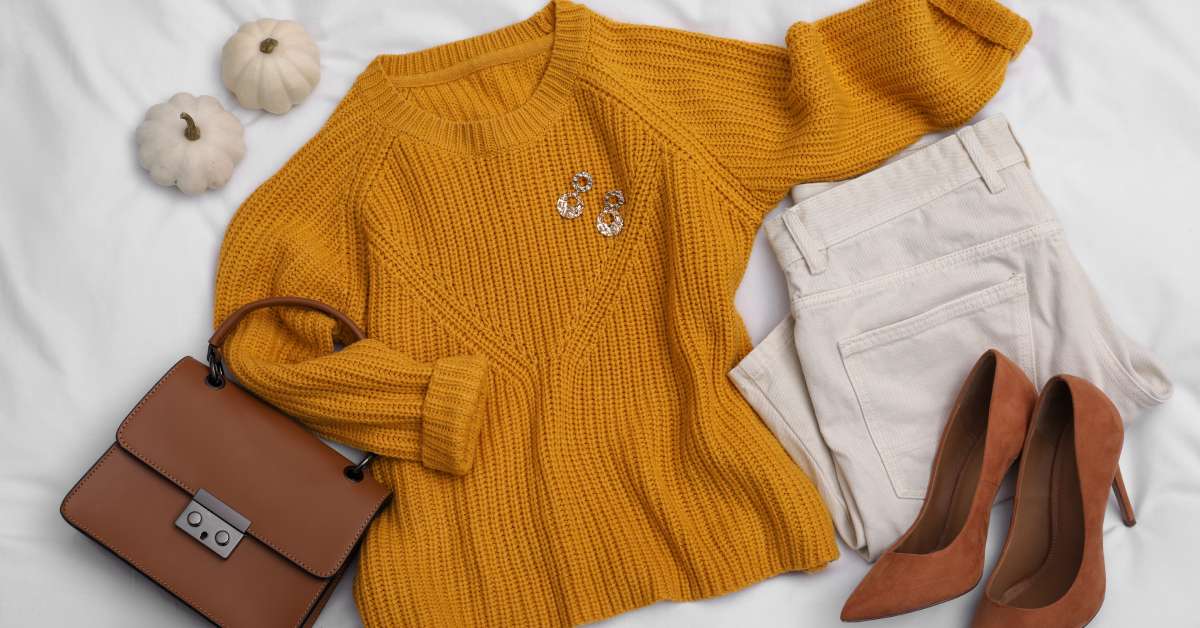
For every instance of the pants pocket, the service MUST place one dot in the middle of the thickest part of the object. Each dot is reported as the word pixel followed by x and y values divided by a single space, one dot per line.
pixel 906 375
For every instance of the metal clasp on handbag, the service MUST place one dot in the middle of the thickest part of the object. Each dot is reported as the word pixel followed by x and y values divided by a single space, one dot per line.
pixel 214 524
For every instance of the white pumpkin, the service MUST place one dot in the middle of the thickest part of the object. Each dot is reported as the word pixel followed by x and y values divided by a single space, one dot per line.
pixel 270 64
pixel 190 142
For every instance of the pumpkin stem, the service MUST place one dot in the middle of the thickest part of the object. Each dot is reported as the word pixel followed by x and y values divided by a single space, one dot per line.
pixel 267 45
pixel 192 132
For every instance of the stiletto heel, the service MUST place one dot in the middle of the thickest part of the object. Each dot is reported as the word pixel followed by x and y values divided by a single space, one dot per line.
pixel 1123 500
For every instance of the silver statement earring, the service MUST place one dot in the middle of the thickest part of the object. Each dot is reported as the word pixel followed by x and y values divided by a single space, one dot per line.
pixel 609 221
pixel 570 205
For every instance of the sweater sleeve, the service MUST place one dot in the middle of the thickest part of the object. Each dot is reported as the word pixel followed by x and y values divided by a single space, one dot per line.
pixel 296 236
pixel 847 92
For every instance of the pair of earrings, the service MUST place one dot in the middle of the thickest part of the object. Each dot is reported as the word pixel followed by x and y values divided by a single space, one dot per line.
pixel 609 221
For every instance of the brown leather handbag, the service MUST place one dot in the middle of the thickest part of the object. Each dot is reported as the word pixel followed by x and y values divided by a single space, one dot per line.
pixel 228 504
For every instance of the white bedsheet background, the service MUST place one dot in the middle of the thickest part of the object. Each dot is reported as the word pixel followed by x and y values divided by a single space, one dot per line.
pixel 106 278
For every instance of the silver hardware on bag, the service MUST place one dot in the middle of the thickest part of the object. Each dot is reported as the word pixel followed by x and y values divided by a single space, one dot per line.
pixel 355 472
pixel 609 221
pixel 570 204
pixel 214 524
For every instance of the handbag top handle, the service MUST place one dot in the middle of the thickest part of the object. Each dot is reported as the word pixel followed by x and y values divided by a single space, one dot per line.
pixel 216 366
pixel 226 326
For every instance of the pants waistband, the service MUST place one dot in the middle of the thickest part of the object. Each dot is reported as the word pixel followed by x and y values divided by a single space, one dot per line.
pixel 807 229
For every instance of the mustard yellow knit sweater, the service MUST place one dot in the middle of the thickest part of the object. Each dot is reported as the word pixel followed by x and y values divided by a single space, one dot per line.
pixel 551 403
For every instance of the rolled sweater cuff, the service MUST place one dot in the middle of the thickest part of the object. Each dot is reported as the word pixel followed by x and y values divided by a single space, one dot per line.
pixel 452 413
pixel 991 20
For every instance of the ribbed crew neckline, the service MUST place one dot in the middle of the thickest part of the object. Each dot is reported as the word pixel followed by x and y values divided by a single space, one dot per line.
pixel 566 23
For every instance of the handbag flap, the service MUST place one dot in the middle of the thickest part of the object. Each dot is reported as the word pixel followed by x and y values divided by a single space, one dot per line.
pixel 264 465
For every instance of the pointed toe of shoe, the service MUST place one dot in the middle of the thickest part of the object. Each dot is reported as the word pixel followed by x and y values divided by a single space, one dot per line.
pixel 865 604
pixel 902 583
pixel 878 595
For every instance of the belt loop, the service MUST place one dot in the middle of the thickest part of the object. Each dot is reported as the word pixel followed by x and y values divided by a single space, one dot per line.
pixel 814 254
pixel 1017 141
pixel 981 159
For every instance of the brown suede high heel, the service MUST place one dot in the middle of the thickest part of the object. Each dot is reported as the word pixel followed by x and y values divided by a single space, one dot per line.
pixel 1051 571
pixel 941 555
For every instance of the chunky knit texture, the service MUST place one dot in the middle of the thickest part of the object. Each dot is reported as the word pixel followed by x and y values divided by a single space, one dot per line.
pixel 551 404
